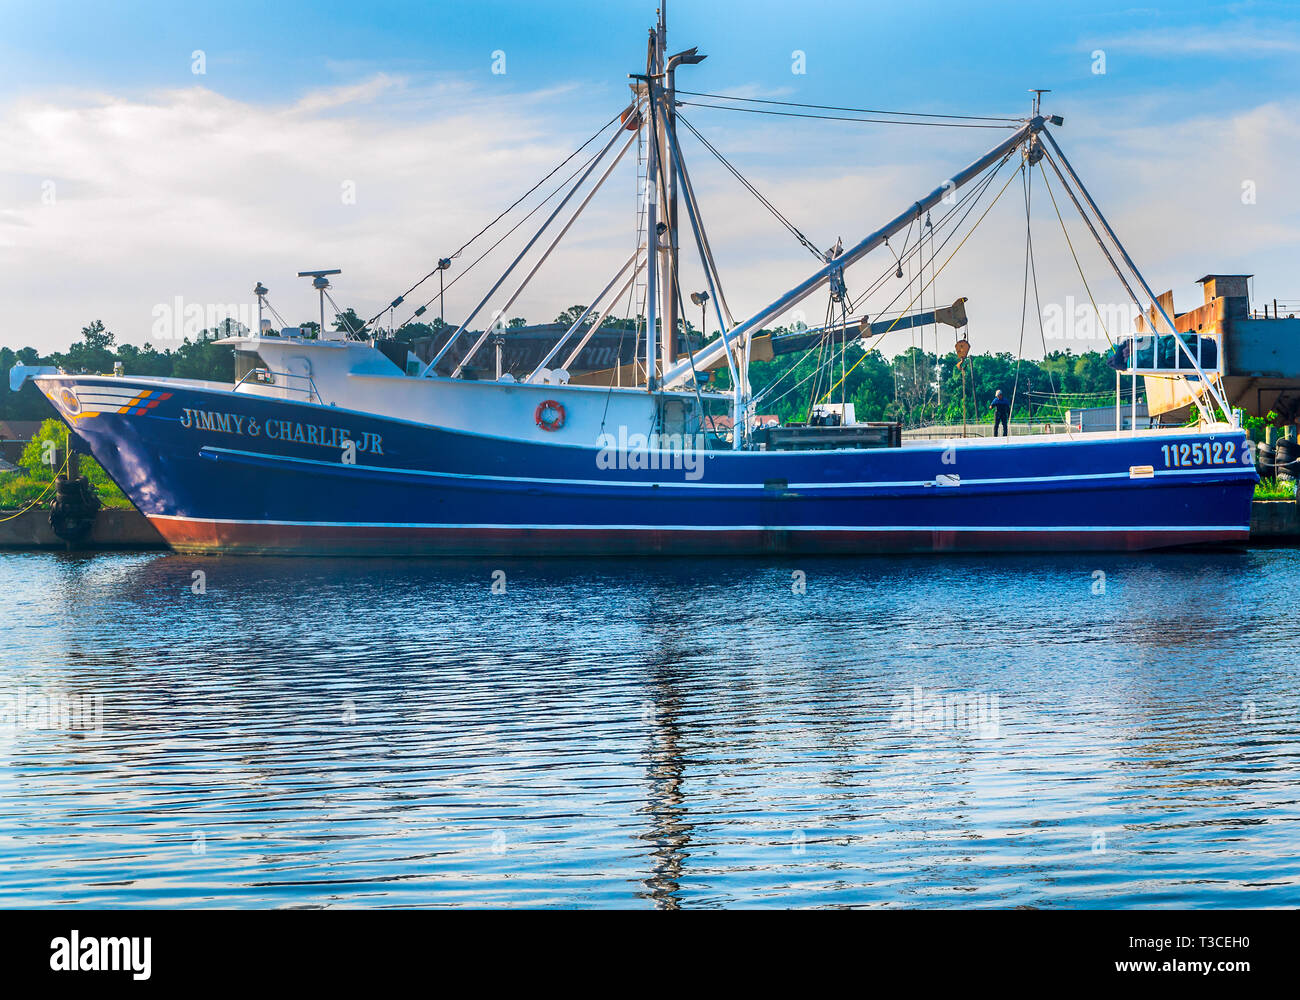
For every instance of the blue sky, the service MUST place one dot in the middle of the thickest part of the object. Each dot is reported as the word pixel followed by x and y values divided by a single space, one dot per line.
pixel 905 55
pixel 917 54
pixel 96 101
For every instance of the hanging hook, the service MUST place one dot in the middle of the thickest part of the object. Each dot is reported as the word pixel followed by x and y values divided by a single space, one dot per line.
pixel 899 272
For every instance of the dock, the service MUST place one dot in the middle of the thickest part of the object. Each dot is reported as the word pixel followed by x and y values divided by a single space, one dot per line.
pixel 114 529
pixel 1275 522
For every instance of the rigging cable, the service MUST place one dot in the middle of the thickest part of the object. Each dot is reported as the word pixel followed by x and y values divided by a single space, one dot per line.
pixel 946 261
pixel 1031 271
pixel 1066 394
pixel 340 315
pixel 845 118
pixel 1038 306
pixel 464 246
pixel 505 236
pixel 274 312
pixel 817 368
pixel 40 496
pixel 831 107
pixel 973 195
pixel 1024 296
pixel 794 230
pixel 1077 265
pixel 977 192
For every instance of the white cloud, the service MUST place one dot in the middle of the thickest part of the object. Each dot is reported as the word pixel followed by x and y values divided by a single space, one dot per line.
pixel 111 205
pixel 1244 38
pixel 350 94
pixel 190 193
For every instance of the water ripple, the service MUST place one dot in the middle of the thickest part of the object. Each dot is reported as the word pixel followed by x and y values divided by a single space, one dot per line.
pixel 909 732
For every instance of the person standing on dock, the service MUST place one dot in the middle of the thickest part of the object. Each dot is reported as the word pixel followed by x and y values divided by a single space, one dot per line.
pixel 1001 414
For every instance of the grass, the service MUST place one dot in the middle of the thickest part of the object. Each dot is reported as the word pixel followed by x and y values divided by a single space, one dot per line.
pixel 1271 489
pixel 35 483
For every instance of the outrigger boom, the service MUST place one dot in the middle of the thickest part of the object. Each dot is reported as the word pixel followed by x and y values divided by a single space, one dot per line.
pixel 681 372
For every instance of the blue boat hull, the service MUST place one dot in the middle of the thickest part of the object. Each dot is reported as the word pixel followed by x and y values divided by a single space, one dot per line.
pixel 220 471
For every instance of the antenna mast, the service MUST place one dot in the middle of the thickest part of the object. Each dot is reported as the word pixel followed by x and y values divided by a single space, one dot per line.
pixel 320 282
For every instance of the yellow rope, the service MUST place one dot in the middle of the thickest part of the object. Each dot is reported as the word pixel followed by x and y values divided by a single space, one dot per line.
pixel 39 498
pixel 933 278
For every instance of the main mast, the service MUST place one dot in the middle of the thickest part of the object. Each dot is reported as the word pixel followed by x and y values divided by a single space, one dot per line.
pixel 664 168
pixel 652 195
pixel 661 211
pixel 667 196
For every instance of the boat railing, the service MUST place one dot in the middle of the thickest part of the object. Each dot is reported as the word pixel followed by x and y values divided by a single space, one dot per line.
pixel 1157 354
pixel 288 381
pixel 1280 310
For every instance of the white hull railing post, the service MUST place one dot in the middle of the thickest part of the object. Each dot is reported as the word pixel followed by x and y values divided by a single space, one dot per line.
pixel 1133 403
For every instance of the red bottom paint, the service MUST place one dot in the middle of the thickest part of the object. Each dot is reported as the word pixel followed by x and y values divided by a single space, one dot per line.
pixel 406 540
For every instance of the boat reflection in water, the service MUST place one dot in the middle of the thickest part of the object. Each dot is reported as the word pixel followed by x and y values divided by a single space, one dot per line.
pixel 669 831
pixel 390 733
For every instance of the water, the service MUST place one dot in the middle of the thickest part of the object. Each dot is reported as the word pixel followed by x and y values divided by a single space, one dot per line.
pixel 657 734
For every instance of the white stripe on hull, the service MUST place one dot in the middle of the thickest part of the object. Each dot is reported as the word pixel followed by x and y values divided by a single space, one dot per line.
pixel 677 528
pixel 701 484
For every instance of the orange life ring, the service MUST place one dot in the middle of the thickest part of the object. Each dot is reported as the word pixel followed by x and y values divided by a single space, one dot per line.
pixel 556 419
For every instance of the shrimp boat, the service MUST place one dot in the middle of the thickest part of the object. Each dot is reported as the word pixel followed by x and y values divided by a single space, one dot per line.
pixel 354 443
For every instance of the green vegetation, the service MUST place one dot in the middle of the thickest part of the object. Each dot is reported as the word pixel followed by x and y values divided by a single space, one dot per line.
pixel 917 387
pixel 94 352
pixel 1273 489
pixel 36 482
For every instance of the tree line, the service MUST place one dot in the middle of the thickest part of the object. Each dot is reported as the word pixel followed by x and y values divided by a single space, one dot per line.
pixel 918 388
pixel 915 387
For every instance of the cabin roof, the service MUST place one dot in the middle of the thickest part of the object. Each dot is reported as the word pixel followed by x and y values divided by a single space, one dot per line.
pixel 18 430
